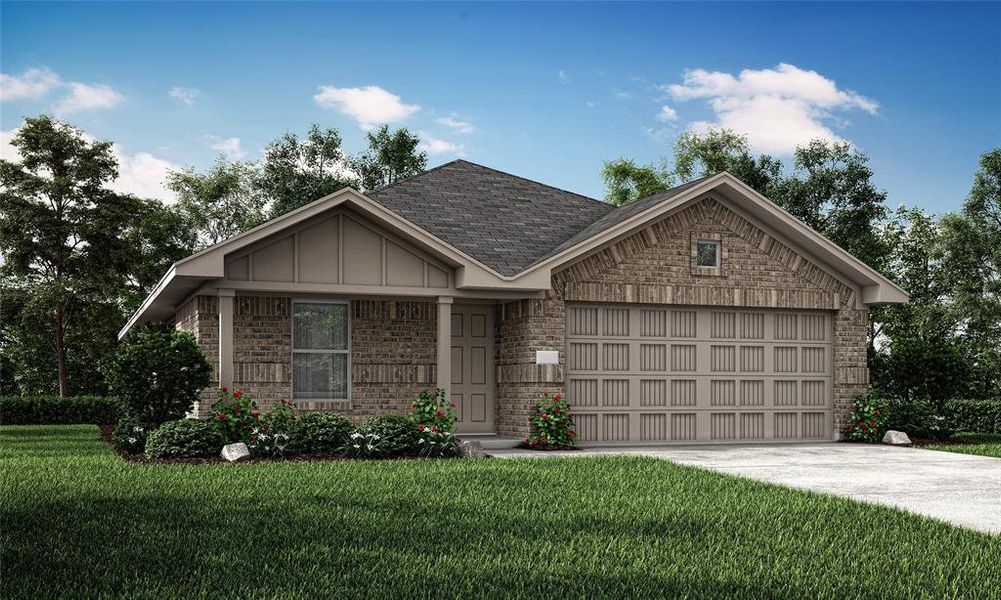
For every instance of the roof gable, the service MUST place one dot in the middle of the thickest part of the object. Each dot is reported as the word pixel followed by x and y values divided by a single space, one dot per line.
pixel 504 221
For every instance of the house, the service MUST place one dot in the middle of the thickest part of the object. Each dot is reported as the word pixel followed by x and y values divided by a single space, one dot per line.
pixel 703 314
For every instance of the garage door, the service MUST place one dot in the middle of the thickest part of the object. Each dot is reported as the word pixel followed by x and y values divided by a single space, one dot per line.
pixel 656 374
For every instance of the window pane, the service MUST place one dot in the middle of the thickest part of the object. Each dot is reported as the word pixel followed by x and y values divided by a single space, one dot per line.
pixel 319 326
pixel 319 376
pixel 707 253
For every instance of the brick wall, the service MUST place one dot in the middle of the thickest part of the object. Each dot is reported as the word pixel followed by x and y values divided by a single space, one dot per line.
pixel 200 317
pixel 654 266
pixel 393 351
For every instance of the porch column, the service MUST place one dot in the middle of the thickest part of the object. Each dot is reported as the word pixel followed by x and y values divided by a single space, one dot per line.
pixel 445 344
pixel 226 337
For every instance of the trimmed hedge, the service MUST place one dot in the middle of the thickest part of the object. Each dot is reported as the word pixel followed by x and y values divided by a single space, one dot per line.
pixel 53 410
pixel 974 416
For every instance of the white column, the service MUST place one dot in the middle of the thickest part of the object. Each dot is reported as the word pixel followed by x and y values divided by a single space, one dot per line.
pixel 226 337
pixel 445 344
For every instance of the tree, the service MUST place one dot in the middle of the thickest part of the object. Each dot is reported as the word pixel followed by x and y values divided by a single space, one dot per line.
pixel 60 228
pixel 390 157
pixel 296 172
pixel 220 203
pixel 831 190
pixel 626 182
pixel 702 154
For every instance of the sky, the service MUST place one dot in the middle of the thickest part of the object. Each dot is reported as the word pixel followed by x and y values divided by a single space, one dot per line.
pixel 545 91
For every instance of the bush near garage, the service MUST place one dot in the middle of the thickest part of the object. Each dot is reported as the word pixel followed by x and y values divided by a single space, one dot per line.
pixel 552 424
pixel 56 410
pixel 867 423
pixel 918 419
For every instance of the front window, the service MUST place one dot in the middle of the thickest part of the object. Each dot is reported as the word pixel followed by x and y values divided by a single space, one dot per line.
pixel 320 351
pixel 707 253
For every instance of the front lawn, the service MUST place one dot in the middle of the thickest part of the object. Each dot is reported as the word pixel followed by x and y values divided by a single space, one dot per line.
pixel 77 520
pixel 984 444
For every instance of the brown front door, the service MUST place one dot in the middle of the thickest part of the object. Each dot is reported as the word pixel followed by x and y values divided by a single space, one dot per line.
pixel 473 367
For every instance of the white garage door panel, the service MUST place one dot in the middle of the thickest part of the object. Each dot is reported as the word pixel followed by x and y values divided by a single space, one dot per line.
pixel 658 374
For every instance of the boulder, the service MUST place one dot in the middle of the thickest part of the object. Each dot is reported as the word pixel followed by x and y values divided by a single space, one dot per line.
pixel 896 438
pixel 235 452
pixel 471 449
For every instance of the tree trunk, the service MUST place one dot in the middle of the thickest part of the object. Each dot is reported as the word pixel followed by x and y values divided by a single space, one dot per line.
pixel 61 353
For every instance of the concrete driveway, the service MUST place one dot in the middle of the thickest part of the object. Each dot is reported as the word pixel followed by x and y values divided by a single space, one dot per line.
pixel 961 489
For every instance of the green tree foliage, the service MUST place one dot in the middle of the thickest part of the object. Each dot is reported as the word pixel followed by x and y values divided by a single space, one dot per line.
pixel 390 157
pixel 158 374
pixel 626 181
pixel 220 203
pixel 78 258
pixel 297 171
pixel 702 154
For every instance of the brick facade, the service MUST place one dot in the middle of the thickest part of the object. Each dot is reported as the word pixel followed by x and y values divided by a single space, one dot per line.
pixel 393 343
pixel 654 265
pixel 393 351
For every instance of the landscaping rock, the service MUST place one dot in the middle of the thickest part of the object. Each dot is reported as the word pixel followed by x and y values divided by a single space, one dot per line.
pixel 471 449
pixel 896 438
pixel 235 452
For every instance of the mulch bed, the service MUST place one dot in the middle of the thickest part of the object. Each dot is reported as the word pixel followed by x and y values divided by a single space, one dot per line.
pixel 524 446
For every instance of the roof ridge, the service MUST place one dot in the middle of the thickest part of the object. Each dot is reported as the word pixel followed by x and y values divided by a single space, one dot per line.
pixel 405 179
pixel 552 187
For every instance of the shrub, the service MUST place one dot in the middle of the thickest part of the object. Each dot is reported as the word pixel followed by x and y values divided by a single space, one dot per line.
pixel 919 419
pixel 274 436
pixel 321 433
pixel 384 436
pixel 433 411
pixel 158 374
pixel 55 410
pixel 432 443
pixel 130 436
pixel 867 422
pixel 552 424
pixel 185 438
pixel 974 416
pixel 236 416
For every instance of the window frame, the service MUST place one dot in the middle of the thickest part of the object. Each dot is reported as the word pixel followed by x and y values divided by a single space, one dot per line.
pixel 718 244
pixel 347 351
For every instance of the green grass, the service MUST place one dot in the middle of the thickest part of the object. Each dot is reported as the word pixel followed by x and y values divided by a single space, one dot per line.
pixel 77 521
pixel 984 444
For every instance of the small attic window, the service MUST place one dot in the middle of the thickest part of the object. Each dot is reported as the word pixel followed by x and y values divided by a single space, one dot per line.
pixel 707 253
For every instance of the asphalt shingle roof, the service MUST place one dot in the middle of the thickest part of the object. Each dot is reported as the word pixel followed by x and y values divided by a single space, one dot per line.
pixel 505 222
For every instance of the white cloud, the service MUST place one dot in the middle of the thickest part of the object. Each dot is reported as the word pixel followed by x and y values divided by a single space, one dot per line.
pixel 778 109
pixel 231 146
pixel 456 125
pixel 184 94
pixel 370 106
pixel 30 85
pixel 563 77
pixel 667 114
pixel 433 145
pixel 141 174
pixel 87 97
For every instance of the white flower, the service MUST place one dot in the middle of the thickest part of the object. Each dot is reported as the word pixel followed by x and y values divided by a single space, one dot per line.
pixel 356 446
pixel 132 440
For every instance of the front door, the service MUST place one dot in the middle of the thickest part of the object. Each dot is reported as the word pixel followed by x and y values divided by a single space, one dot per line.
pixel 473 367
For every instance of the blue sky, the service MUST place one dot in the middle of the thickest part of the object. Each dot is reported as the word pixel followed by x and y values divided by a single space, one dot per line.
pixel 546 91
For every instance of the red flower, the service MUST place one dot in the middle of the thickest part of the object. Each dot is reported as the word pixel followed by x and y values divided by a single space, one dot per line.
pixel 452 404
pixel 571 435
pixel 264 426
pixel 421 427
pixel 546 392
pixel 434 428
pixel 557 397
pixel 543 440
pixel 237 408
pixel 440 412
pixel 223 388
pixel 238 393
pixel 221 416
pixel 534 442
